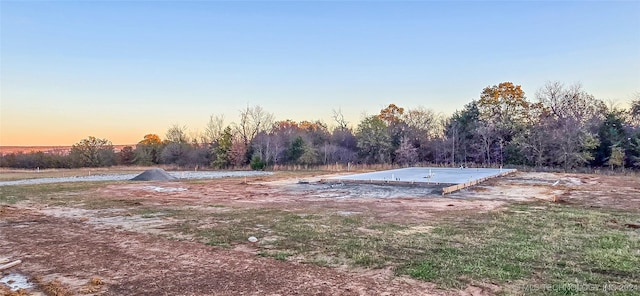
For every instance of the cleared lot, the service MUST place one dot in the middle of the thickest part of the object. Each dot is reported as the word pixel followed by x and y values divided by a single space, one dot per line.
pixel 527 233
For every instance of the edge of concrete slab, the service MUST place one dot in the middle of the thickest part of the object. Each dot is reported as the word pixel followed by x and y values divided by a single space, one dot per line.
pixel 449 187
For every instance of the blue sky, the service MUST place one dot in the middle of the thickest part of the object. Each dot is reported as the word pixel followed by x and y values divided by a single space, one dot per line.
pixel 120 70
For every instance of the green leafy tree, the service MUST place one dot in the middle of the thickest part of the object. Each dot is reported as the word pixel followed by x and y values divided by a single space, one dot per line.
pixel 397 128
pixel 257 164
pixel 374 142
pixel 505 113
pixel 222 149
pixel 93 152
pixel 309 156
pixel 461 132
pixel 611 134
pixel 296 149
pixel 616 158
pixel 634 150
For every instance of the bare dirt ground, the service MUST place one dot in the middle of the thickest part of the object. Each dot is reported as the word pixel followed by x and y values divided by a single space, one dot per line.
pixel 132 263
pixel 110 252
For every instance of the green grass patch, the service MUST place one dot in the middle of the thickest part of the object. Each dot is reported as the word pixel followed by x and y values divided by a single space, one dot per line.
pixel 565 249
pixel 151 212
pixel 282 256
pixel 323 239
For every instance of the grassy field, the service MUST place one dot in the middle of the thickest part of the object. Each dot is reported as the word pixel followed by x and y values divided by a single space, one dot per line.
pixel 534 248
pixel 544 249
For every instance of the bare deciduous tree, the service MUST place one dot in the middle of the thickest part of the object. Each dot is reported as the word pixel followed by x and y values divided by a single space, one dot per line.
pixel 338 117
pixel 215 128
pixel 424 120
pixel 177 134
pixel 634 111
pixel 406 154
pixel 570 103
pixel 253 120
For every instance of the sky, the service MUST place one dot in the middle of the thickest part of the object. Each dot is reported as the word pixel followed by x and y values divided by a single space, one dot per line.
pixel 122 69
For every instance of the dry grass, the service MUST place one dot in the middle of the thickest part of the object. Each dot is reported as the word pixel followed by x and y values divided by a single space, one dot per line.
pixel 94 285
pixel 7 292
pixel 54 288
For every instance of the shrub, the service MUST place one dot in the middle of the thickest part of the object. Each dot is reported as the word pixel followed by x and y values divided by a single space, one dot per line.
pixel 257 164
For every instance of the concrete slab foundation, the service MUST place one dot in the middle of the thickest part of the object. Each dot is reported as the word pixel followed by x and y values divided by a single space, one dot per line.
pixel 453 179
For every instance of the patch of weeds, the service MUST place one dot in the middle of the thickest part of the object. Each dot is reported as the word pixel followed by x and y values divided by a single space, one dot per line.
pixel 387 227
pixel 364 258
pixel 144 212
pixel 225 237
pixel 8 199
pixel 351 220
pixel 424 270
pixel 148 213
pixel 321 262
pixel 282 256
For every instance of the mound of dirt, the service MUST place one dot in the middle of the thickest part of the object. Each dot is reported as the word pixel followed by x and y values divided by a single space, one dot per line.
pixel 154 175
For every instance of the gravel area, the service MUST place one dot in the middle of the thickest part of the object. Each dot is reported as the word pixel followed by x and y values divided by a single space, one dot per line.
pixel 124 177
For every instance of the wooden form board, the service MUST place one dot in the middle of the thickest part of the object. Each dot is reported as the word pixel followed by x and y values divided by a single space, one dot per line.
pixel 457 187
pixel 9 265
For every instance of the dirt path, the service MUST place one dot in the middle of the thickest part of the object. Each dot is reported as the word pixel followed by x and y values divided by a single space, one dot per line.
pixel 140 264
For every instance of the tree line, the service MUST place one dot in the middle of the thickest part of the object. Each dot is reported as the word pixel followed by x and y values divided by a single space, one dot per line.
pixel 562 127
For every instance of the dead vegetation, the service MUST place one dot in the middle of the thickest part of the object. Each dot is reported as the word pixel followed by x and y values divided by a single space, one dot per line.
pixel 94 285
pixel 488 239
pixel 55 288
pixel 4 291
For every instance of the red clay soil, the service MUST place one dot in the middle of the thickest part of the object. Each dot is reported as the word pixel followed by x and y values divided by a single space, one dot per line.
pixel 140 264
